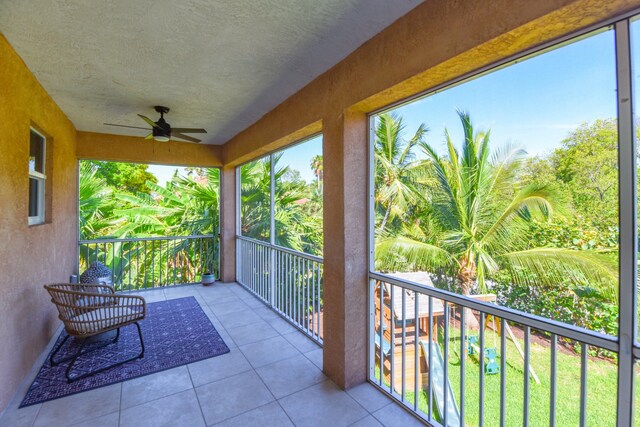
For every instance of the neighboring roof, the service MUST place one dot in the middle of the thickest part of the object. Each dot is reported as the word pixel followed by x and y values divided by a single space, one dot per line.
pixel 421 277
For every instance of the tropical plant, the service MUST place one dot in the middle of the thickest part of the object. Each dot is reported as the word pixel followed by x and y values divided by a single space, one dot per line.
pixel 298 224
pixel 318 169
pixel 184 207
pixel 130 177
pixel 255 206
pixel 95 202
pixel 481 215
pixel 397 171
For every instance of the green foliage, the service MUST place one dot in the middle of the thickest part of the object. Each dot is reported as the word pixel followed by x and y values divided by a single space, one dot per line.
pixel 482 214
pixel 184 207
pixel 574 234
pixel 130 177
pixel 95 202
pixel 397 171
pixel 585 168
pixel 317 166
pixel 580 306
pixel 298 206
pixel 540 232
pixel 187 206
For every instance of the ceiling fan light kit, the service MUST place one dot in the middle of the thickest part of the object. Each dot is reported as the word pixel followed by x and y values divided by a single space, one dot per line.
pixel 162 131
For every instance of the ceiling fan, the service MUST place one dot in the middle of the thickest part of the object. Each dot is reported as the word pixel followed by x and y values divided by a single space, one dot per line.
pixel 161 130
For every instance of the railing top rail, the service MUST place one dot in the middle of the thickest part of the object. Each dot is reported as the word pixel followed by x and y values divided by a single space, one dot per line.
pixel 252 240
pixel 143 239
pixel 282 249
pixel 536 322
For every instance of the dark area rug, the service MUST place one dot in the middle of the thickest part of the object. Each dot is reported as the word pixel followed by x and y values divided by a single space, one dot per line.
pixel 176 332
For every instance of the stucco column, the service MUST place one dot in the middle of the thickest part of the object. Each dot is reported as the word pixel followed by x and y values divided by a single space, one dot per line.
pixel 227 224
pixel 345 248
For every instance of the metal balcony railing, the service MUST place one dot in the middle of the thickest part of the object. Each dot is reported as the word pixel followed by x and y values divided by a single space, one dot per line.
pixel 288 281
pixel 150 262
pixel 421 345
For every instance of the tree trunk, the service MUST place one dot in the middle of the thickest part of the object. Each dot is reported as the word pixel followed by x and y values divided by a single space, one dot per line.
pixel 466 275
pixel 386 216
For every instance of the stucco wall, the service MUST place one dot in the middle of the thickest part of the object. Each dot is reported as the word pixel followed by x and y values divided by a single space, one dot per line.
pixel 120 148
pixel 31 256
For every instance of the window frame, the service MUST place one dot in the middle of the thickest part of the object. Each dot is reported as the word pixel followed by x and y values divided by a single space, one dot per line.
pixel 41 179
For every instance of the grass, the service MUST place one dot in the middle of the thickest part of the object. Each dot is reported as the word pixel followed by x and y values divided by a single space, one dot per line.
pixel 601 387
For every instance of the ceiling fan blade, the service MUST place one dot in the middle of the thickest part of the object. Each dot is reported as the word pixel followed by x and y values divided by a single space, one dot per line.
pixel 150 136
pixel 185 137
pixel 124 126
pixel 148 120
pixel 189 130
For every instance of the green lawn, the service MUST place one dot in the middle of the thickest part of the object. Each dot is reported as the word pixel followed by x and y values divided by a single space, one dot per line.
pixel 601 387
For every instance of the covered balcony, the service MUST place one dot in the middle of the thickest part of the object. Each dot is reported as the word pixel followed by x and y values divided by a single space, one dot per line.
pixel 377 297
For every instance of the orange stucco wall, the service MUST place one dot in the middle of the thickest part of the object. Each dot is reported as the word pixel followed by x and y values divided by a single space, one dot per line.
pixel 120 148
pixel 31 256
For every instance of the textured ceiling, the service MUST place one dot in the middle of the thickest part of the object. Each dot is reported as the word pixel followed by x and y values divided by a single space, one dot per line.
pixel 220 65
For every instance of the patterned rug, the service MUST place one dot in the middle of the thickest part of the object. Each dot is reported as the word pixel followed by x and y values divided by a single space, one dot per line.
pixel 175 332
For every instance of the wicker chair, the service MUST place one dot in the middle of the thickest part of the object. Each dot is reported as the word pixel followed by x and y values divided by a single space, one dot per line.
pixel 88 310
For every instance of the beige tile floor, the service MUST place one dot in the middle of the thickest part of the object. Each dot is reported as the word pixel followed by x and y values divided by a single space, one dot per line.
pixel 271 377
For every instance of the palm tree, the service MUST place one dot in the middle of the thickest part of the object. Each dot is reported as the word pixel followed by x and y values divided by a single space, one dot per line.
pixel 318 169
pixel 95 202
pixel 397 171
pixel 292 224
pixel 255 188
pixel 481 214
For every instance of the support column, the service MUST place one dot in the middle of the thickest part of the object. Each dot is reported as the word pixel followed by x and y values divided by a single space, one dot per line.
pixel 345 149
pixel 228 205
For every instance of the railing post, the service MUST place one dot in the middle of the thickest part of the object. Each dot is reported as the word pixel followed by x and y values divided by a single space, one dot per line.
pixel 272 279
pixel 628 230
pixel 272 228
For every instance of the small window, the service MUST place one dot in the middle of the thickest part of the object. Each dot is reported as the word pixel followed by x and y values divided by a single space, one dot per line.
pixel 37 177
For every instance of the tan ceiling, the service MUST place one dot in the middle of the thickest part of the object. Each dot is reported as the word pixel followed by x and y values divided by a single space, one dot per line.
pixel 220 65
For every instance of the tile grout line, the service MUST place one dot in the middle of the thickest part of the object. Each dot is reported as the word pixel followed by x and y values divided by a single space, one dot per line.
pixel 153 400
pixel 197 397
pixel 303 389
pixel 285 411
pixel 249 410
pixel 385 406
pixel 36 417
pixel 120 405
pixel 262 366
pixel 369 414
pixel 254 342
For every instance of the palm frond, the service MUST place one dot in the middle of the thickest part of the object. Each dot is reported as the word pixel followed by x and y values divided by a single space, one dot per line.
pixel 531 200
pixel 564 267
pixel 397 252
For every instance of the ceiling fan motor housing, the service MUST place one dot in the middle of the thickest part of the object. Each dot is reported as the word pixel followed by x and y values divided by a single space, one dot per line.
pixel 162 130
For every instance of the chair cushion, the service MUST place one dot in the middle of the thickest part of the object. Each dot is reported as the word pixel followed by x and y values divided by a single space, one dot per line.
pixel 96 321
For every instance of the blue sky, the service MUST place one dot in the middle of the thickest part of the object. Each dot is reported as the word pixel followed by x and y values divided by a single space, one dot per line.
pixel 299 157
pixel 534 103
pixel 165 173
